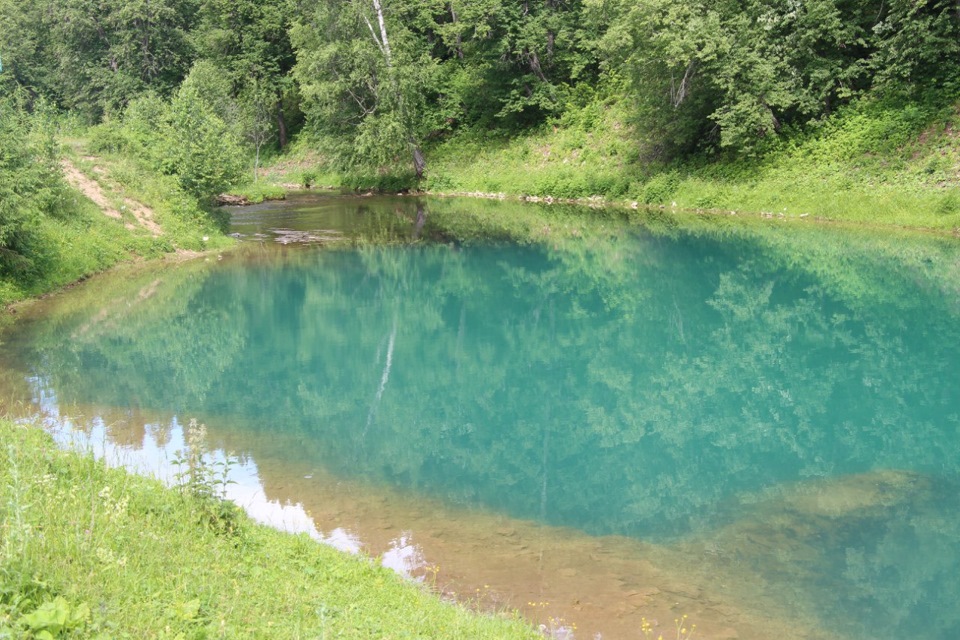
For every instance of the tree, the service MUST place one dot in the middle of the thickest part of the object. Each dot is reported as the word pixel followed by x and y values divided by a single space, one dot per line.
pixel 94 56
pixel 914 40
pixel 257 121
pixel 31 185
pixel 200 140
pixel 730 74
pixel 368 81
pixel 27 56
pixel 250 41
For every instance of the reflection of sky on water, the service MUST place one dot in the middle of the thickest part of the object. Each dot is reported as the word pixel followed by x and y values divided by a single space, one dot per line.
pixel 403 557
pixel 243 487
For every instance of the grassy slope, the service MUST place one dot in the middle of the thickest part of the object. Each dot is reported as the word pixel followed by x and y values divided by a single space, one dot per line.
pixel 184 223
pixel 882 163
pixel 128 557
pixel 877 163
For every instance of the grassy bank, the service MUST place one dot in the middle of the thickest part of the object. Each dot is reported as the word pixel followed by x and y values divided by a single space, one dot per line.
pixel 90 551
pixel 113 209
pixel 876 162
pixel 128 182
pixel 886 162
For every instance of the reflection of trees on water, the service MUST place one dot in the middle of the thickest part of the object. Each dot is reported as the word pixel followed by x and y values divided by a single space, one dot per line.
pixel 640 384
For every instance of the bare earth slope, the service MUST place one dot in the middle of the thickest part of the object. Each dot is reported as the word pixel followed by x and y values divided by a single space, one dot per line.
pixel 95 192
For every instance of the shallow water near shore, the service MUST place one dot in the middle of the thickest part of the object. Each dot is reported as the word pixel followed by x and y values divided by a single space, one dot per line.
pixel 595 423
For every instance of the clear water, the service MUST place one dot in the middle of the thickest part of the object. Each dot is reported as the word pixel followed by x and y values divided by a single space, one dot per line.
pixel 756 426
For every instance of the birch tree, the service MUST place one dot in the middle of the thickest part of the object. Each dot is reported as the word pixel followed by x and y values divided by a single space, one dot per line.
pixel 368 82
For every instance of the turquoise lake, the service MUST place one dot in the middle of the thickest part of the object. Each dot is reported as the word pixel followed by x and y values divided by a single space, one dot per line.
pixel 586 418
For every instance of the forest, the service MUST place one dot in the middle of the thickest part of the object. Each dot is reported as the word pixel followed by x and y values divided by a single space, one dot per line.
pixel 406 95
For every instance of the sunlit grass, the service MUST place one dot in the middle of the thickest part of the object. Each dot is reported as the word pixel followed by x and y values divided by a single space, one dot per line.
pixel 122 556
pixel 874 163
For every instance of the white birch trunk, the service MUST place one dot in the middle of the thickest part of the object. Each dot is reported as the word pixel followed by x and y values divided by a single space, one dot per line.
pixel 384 41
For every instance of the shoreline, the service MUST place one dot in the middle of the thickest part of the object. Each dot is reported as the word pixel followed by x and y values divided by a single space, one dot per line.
pixel 599 202
pixel 235 577
pixel 539 224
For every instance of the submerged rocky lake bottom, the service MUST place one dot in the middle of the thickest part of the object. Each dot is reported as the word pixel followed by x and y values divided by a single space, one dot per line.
pixel 592 420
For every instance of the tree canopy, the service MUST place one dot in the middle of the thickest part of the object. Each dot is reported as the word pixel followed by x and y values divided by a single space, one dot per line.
pixel 378 80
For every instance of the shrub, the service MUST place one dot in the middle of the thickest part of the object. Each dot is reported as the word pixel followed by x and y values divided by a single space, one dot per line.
pixel 661 188
pixel 31 188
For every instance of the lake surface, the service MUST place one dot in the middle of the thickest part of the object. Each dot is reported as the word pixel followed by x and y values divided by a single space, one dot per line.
pixel 587 419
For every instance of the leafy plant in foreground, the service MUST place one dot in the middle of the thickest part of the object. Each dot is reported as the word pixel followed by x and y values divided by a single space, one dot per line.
pixel 204 480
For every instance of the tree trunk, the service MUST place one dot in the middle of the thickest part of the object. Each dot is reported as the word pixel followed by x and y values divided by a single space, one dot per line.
pixel 453 16
pixel 419 162
pixel 535 66
pixel 773 116
pixel 383 31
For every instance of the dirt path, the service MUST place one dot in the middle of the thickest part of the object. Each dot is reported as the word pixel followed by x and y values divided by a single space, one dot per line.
pixel 92 189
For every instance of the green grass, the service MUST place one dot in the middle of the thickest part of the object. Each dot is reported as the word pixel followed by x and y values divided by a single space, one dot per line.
pixel 884 162
pixel 257 192
pixel 893 163
pixel 587 152
pixel 90 551
pixel 299 166
pixel 83 241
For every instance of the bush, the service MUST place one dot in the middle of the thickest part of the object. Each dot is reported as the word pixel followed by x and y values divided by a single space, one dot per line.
pixel 202 150
pixel 385 182
pixel 31 188
pixel 661 188
pixel 109 137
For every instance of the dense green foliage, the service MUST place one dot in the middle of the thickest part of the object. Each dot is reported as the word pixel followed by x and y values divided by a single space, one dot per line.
pixel 193 136
pixel 31 187
pixel 735 73
pixel 92 552
pixel 94 56
pixel 379 80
